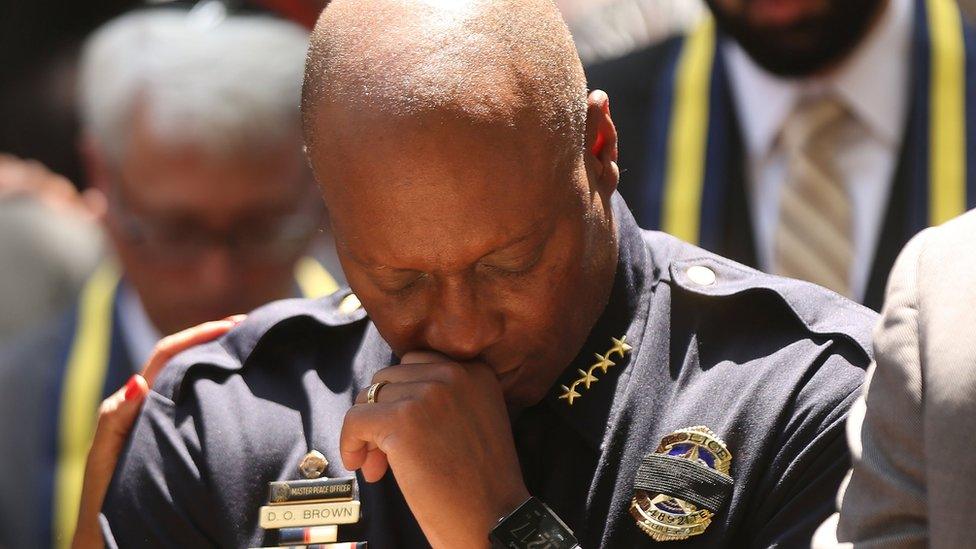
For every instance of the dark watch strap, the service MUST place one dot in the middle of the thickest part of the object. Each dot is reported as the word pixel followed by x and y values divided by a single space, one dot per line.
pixel 532 525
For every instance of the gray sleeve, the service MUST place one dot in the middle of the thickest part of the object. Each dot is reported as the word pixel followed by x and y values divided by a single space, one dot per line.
pixel 158 497
pixel 883 504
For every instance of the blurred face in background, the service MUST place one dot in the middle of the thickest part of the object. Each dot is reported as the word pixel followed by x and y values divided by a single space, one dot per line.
pixel 797 37
pixel 203 237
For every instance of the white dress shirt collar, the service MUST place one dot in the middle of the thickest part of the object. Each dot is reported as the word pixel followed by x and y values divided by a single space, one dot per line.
pixel 871 83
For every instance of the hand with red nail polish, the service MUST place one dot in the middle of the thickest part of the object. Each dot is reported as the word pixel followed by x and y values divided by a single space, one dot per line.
pixel 118 414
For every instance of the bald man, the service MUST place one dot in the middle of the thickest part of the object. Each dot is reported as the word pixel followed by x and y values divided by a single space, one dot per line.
pixel 527 367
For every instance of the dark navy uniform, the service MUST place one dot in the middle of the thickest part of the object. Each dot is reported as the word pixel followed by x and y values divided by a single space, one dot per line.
pixel 769 365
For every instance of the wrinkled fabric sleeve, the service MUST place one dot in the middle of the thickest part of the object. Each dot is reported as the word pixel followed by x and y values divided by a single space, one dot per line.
pixel 812 456
pixel 158 496
pixel 883 503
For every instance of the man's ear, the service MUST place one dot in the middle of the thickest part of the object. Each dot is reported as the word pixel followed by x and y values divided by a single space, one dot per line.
pixel 601 143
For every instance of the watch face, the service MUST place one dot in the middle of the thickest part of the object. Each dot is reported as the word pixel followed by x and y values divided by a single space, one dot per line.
pixel 533 525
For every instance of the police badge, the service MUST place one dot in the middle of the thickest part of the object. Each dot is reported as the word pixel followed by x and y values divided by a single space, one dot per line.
pixel 680 486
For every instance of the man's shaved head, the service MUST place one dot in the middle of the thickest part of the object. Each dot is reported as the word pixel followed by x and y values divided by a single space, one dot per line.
pixel 468 178
pixel 497 60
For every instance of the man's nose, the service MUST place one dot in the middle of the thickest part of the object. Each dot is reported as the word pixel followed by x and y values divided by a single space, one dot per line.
pixel 462 324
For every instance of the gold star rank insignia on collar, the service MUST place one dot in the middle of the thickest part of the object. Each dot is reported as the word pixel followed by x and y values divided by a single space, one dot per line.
pixel 620 346
pixel 587 378
pixel 569 393
pixel 603 363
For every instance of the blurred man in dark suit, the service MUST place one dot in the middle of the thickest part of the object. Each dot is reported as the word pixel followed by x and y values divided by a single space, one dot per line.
pixel 811 139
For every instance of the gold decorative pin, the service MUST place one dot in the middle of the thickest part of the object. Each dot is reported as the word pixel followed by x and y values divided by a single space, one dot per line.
pixel 666 509
pixel 313 464
pixel 603 363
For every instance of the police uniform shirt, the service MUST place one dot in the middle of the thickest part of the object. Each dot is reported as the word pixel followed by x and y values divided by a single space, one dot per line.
pixel 769 365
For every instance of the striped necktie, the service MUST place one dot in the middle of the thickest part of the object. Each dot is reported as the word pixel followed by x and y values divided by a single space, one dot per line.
pixel 814 236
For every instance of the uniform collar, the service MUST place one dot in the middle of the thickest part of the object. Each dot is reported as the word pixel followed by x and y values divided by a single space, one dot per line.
pixel 620 326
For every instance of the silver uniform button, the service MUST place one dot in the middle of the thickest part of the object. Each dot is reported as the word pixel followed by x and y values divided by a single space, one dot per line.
pixel 701 275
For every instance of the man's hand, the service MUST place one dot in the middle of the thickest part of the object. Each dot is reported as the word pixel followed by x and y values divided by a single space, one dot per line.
pixel 443 428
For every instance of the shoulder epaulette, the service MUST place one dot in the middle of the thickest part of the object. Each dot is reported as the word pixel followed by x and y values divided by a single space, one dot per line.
pixel 820 310
pixel 231 351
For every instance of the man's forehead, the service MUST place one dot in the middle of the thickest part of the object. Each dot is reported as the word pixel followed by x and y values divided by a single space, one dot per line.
pixel 492 113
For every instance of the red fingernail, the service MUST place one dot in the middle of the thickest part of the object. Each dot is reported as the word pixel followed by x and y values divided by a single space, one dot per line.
pixel 132 387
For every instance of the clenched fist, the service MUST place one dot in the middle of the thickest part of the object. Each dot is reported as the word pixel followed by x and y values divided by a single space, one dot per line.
pixel 444 430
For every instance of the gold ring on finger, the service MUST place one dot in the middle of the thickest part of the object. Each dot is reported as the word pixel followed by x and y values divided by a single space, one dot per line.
pixel 373 391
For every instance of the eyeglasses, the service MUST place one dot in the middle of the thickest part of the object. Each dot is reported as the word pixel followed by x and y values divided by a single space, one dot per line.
pixel 271 239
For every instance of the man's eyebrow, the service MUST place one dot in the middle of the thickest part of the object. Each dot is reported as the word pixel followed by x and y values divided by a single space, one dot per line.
pixel 535 231
pixel 365 262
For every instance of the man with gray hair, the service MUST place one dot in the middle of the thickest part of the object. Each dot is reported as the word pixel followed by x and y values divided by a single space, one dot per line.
pixel 192 136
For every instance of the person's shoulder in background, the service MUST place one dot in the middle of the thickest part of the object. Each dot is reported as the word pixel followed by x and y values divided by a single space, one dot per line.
pixel 918 406
pixel 628 78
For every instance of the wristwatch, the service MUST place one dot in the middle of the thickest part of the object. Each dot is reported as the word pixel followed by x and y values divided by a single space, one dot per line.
pixel 533 525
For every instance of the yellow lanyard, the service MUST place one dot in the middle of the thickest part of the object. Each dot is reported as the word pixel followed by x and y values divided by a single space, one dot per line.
pixel 688 129
pixel 947 112
pixel 84 381
pixel 688 135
